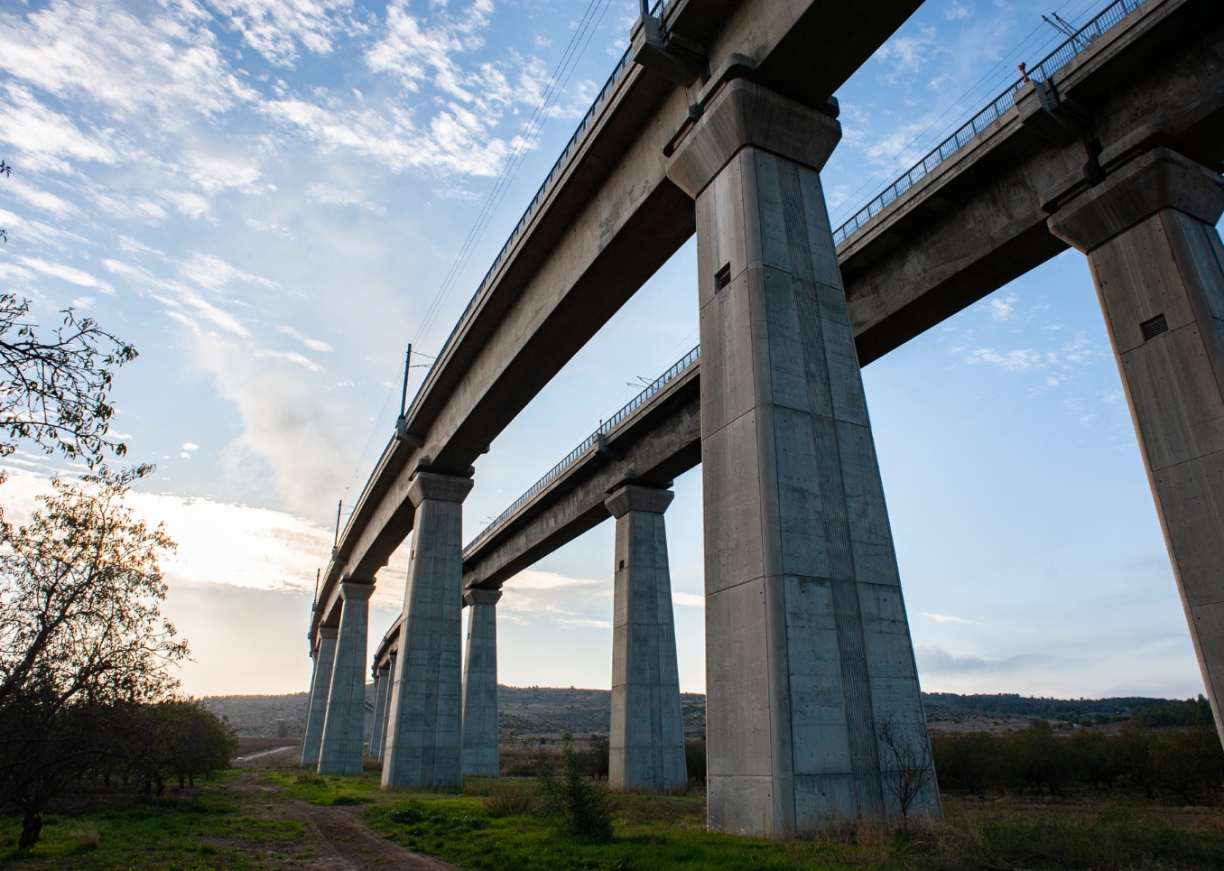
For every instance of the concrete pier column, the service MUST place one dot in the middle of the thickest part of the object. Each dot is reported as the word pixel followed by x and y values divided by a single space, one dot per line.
pixel 320 683
pixel 382 732
pixel 382 692
pixel 808 654
pixel 646 739
pixel 342 748
pixel 423 731
pixel 480 756
pixel 1149 233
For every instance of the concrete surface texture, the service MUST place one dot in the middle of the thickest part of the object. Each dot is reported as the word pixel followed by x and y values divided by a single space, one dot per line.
pixel 325 652
pixel 341 750
pixel 1156 258
pixel 646 738
pixel 423 731
pixel 380 740
pixel 480 756
pixel 382 687
pixel 808 653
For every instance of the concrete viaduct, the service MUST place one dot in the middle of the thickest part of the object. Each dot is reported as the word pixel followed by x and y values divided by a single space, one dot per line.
pixel 717 122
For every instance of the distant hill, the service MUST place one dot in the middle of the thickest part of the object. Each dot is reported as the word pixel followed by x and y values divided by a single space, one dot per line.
pixel 535 712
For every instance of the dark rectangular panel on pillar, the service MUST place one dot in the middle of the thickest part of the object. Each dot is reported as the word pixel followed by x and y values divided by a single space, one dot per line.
pixel 808 652
pixel 341 750
pixel 424 726
pixel 320 683
pixel 1149 232
pixel 480 752
pixel 646 739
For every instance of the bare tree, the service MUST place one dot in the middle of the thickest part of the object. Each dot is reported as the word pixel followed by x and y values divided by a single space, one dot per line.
pixel 81 632
pixel 907 764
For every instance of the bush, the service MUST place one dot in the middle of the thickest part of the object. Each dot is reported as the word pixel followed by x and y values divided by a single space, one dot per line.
pixel 695 759
pixel 1190 762
pixel 598 757
pixel 583 806
pixel 971 761
pixel 510 801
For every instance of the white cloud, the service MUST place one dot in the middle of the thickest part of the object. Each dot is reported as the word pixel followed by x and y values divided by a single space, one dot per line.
pixel 934 660
pixel 312 344
pixel 563 600
pixel 688 600
pixel 66 273
pixel 189 446
pixel 946 618
pixel 275 28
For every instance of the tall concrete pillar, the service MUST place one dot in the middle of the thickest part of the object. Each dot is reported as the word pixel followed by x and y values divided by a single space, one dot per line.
pixel 382 690
pixel 341 750
pixel 646 739
pixel 320 683
pixel 382 734
pixel 808 653
pixel 480 756
pixel 423 730
pixel 1149 233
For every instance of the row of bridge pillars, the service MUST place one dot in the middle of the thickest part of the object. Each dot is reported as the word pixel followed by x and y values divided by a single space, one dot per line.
pixel 813 704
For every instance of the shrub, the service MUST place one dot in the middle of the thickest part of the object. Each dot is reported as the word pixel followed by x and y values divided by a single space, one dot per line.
pixel 970 760
pixel 598 757
pixel 1137 756
pixel 510 801
pixel 583 806
pixel 695 759
pixel 86 837
pixel 1095 756
pixel 1190 762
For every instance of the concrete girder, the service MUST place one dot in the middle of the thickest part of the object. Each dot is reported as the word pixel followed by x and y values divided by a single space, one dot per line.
pixel 611 219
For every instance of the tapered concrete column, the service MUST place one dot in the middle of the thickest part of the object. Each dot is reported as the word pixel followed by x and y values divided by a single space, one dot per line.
pixel 423 732
pixel 341 751
pixel 1149 233
pixel 320 683
pixel 808 650
pixel 480 756
pixel 382 691
pixel 381 737
pixel 646 739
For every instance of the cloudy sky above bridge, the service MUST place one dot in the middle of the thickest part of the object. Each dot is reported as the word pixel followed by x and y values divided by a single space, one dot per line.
pixel 266 195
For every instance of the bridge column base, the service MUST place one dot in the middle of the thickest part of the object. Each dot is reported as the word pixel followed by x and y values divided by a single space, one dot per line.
pixel 342 749
pixel 320 683
pixel 382 691
pixel 423 730
pixel 1149 233
pixel 646 739
pixel 480 753
pixel 814 714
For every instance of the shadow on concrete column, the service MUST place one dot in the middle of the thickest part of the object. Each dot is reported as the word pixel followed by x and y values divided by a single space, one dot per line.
pixel 342 748
pixel 1149 233
pixel 423 732
pixel 813 707
pixel 480 756
pixel 382 689
pixel 646 739
pixel 320 683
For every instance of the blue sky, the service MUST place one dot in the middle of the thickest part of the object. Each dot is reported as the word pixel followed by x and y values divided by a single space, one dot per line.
pixel 265 196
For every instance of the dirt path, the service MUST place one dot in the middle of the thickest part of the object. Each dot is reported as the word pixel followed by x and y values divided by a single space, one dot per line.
pixel 338 836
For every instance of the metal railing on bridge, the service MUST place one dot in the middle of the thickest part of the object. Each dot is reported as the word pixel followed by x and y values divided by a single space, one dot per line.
pixel 605 427
pixel 1051 63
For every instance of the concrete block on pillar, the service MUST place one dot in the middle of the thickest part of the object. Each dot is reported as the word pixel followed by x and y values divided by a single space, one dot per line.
pixel 480 752
pixel 808 652
pixel 424 727
pixel 1158 265
pixel 342 748
pixel 646 739
pixel 320 683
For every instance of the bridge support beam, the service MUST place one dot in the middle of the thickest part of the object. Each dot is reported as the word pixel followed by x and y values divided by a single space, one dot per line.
pixel 646 739
pixel 480 754
pixel 1156 258
pixel 320 683
pixel 382 693
pixel 341 750
pixel 813 707
pixel 423 730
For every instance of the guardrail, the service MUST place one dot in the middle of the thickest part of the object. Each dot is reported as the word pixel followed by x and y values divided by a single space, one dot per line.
pixel 1051 63
pixel 604 428
pixel 583 125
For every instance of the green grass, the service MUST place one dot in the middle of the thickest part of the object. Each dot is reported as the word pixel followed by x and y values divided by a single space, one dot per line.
pixel 209 830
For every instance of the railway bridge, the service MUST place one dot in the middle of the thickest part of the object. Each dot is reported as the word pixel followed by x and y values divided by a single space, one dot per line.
pixel 717 122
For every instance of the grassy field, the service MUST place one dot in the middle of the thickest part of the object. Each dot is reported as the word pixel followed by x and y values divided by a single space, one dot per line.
pixel 486 829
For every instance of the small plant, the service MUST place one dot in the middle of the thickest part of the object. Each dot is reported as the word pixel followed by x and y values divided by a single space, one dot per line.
pixel 86 837
pixel 583 806
pixel 510 801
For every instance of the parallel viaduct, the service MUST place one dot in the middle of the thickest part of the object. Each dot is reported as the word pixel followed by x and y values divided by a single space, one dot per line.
pixel 720 127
